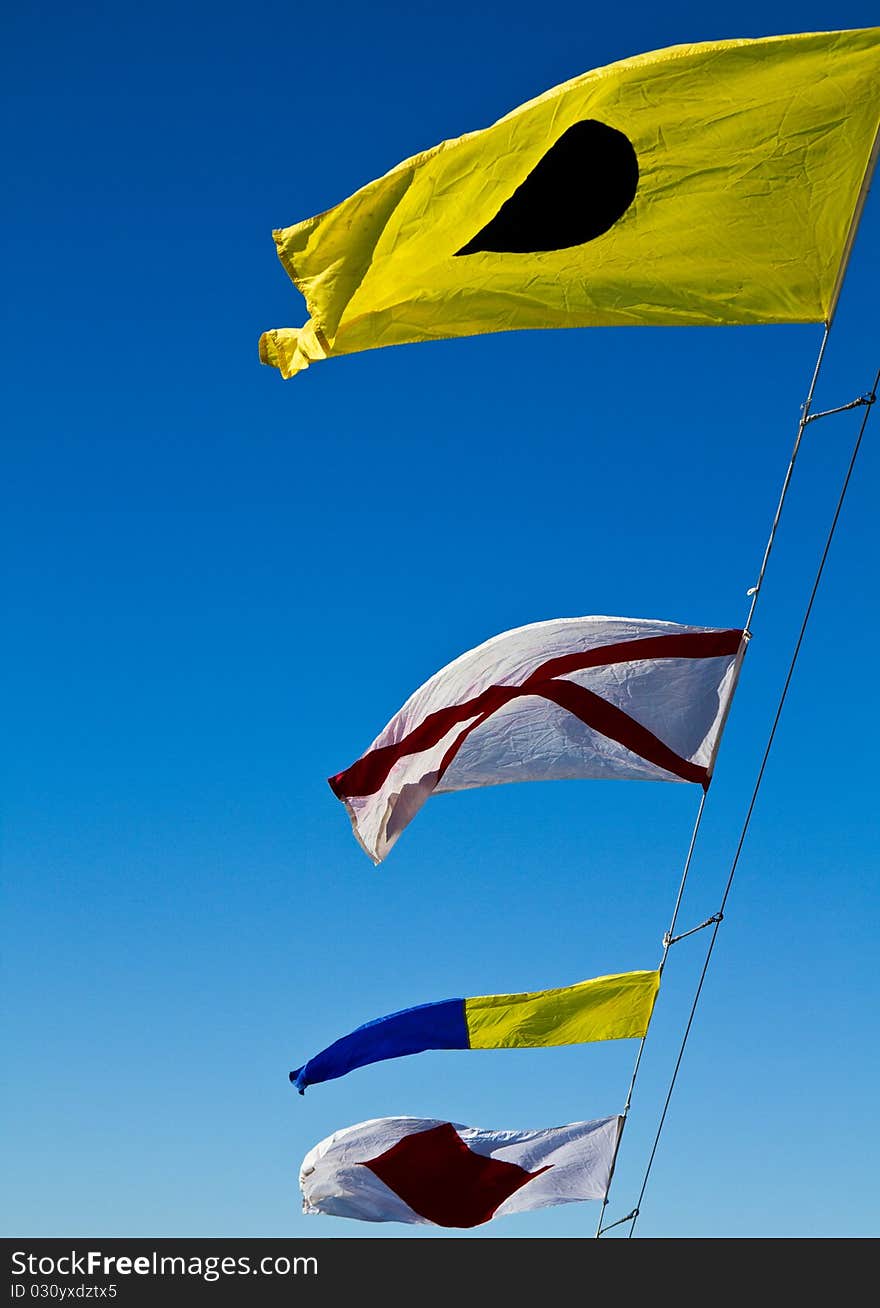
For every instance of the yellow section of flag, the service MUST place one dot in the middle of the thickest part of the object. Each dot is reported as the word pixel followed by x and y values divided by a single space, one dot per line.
pixel 607 1008
pixel 716 183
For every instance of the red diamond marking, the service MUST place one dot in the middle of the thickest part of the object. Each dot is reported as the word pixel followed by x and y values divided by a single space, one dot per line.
pixel 443 1180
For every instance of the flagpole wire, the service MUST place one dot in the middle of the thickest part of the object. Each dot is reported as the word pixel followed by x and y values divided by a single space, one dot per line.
pixel 753 593
pixel 667 940
pixel 760 776
pixel 802 425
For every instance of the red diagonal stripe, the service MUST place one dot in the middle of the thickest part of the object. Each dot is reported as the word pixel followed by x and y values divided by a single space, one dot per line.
pixel 612 722
pixel 369 773
pixel 603 717
pixel 697 645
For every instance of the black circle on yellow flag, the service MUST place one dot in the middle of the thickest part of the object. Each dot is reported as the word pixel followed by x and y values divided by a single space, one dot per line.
pixel 579 189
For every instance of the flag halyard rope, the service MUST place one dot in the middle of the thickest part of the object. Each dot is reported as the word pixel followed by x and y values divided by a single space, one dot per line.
pixel 667 941
pixel 786 482
pixel 754 591
pixel 868 402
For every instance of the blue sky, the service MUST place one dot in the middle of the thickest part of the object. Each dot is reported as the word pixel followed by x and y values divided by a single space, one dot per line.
pixel 220 585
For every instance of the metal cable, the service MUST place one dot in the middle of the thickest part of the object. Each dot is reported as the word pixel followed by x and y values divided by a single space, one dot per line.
pixel 754 592
pixel 802 425
pixel 806 618
pixel 667 941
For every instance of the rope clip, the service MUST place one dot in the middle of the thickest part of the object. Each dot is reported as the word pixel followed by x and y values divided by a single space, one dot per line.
pixel 673 940
pixel 857 403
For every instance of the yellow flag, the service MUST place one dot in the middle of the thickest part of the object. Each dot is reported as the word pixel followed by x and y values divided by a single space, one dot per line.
pixel 607 1008
pixel 702 184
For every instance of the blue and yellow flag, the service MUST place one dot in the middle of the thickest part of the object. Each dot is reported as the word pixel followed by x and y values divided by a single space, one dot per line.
pixel 702 184
pixel 607 1008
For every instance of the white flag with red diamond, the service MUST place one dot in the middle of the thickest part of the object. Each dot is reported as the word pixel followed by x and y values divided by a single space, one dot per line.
pixel 592 697
pixel 418 1170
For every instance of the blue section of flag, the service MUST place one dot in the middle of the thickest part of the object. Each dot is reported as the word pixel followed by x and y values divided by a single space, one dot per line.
pixel 413 1030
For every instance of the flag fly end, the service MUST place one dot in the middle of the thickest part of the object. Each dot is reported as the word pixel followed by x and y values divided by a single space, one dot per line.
pixel 292 349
